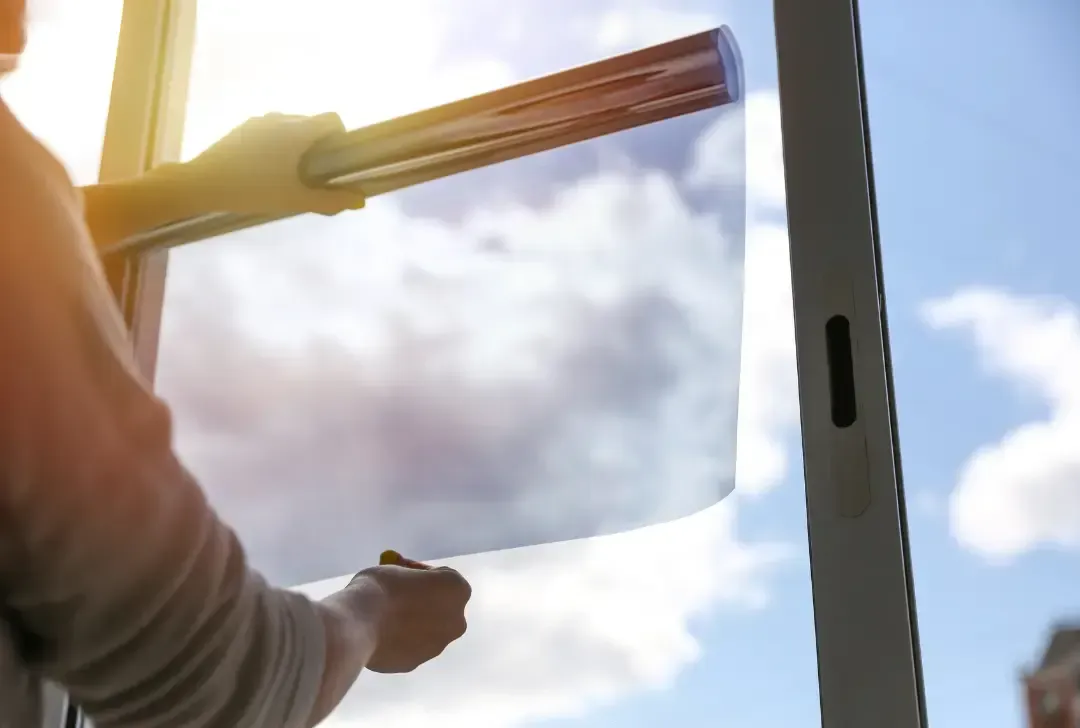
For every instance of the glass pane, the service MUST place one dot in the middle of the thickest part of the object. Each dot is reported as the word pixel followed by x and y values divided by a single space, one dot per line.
pixel 502 357
pixel 976 152
pixel 61 88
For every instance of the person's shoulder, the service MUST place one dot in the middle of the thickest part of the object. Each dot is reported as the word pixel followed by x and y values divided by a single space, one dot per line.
pixel 27 167
pixel 41 212
pixel 13 159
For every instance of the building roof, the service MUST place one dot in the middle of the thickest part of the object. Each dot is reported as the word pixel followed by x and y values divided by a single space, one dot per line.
pixel 1063 647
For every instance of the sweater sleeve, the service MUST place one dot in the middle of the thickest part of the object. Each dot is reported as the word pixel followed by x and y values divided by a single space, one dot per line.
pixel 124 586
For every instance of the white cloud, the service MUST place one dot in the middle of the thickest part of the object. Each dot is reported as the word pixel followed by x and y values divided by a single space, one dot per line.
pixel 768 375
pixel 764 171
pixel 768 387
pixel 633 24
pixel 367 63
pixel 1023 491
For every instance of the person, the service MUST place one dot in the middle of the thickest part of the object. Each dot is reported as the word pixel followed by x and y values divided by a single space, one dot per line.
pixel 117 580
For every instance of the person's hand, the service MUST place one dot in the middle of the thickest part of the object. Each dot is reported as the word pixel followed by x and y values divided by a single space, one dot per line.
pixel 255 168
pixel 422 611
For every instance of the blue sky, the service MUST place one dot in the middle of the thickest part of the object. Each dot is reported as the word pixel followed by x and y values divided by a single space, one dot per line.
pixel 975 166
pixel 709 620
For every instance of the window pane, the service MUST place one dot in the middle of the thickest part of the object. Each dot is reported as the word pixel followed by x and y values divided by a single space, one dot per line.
pixel 531 336
pixel 973 112
pixel 61 88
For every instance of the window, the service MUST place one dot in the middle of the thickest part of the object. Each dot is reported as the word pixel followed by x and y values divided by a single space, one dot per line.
pixel 975 156
pixel 699 616
pixel 543 328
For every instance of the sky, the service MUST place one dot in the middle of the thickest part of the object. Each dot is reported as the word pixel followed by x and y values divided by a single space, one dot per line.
pixel 571 323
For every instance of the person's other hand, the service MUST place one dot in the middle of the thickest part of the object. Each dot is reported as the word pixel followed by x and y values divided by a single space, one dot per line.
pixel 422 612
pixel 255 168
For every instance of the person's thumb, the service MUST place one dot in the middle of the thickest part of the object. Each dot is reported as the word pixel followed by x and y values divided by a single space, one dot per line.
pixel 331 202
pixel 325 124
pixel 393 558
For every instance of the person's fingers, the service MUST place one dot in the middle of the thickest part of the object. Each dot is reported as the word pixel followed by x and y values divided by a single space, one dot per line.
pixel 391 557
pixel 457 627
pixel 348 200
pixel 274 118
pixel 331 202
pixel 328 123
pixel 427 642
pixel 426 630
pixel 388 557
pixel 456 584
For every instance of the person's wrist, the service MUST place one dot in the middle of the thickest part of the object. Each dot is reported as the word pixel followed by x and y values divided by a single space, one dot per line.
pixel 181 183
pixel 357 613
pixel 351 618
pixel 364 599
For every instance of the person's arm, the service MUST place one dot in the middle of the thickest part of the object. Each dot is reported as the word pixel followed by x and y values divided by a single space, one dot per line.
pixel 252 170
pixel 126 587
pixel 116 210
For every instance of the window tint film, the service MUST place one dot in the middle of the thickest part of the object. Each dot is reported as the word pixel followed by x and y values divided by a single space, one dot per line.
pixel 540 350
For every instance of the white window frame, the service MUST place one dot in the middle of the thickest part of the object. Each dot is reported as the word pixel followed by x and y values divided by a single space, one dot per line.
pixel 869 668
pixel 864 611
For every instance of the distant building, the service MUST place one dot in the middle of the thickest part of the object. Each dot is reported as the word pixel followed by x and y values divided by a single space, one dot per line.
pixel 1053 687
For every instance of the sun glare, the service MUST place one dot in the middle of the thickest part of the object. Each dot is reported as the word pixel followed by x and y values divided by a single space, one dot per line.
pixel 367 63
